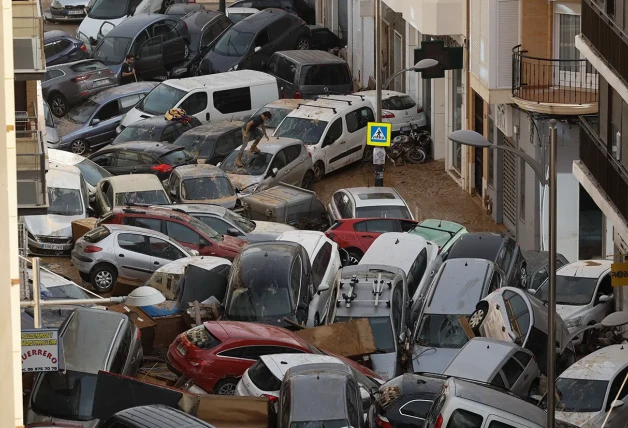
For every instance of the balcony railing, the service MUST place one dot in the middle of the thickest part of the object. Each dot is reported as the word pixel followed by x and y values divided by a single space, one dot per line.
pixel 30 162
pixel 553 81
pixel 28 37
pixel 607 171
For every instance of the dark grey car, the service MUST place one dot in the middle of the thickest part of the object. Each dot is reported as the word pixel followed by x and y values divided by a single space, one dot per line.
pixel 67 84
pixel 538 266
pixel 212 142
pixel 92 123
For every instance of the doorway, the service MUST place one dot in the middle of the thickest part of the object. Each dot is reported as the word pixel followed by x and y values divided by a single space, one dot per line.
pixel 478 152
pixel 591 228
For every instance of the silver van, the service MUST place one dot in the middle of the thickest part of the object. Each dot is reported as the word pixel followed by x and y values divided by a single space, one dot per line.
pixel 93 340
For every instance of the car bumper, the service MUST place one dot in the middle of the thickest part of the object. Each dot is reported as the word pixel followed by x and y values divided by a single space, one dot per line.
pixel 82 263
pixel 199 374
pixel 47 249
pixel 421 122
pixel 65 15
pixel 52 145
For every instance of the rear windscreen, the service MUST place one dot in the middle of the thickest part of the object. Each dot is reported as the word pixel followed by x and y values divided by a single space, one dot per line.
pixel 325 75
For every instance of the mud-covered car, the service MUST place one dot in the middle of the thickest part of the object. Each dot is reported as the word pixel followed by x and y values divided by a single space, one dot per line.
pixel 201 184
pixel 212 142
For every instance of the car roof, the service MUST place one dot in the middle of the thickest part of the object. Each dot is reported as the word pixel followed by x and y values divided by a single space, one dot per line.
pixel 374 196
pixel 215 128
pixel 602 364
pixel 199 170
pixel 261 19
pixel 586 268
pixel 255 255
pixel 64 157
pixel 55 34
pixel 497 399
pixel 160 416
pixel 178 266
pixel 536 259
pixel 199 208
pixel 152 122
pixel 311 57
pixel 225 80
pixel 327 108
pixel 67 66
pixel 491 352
pixel 199 18
pixel 253 331
pixel 132 26
pixel 396 249
pixel 288 103
pixel 480 245
pixel 416 384
pixel 122 91
pixel 309 239
pixel 458 286
pixel 63 176
pixel 145 146
pixel 121 228
pixel 279 364
pixel 152 210
pixel 274 144
pixel 448 226
pixel 140 182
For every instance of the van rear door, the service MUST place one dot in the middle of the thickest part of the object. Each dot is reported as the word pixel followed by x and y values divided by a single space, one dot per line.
pixel 324 78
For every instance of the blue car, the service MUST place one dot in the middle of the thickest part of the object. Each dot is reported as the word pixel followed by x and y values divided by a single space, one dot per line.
pixel 61 48
pixel 92 123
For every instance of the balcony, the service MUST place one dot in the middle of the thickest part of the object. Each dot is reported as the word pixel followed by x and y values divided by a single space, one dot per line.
pixel 554 86
pixel 32 194
pixel 29 62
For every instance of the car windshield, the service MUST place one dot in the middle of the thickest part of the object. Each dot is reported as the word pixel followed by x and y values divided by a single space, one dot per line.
pixel 63 201
pixel 50 122
pixel 91 172
pixel 82 112
pixel 69 291
pixel 144 197
pixel 278 114
pixel 441 331
pixel 112 50
pixel 580 395
pixel 108 9
pixel 309 131
pixel 335 423
pixel 198 189
pixel 242 222
pixel 137 133
pixel 439 237
pixel 383 211
pixel 262 298
pixel 382 332
pixel 161 99
pixel 254 163
pixel 234 43
pixel 65 395
pixel 570 290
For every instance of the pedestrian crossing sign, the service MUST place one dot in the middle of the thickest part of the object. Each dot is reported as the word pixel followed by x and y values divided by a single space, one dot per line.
pixel 378 134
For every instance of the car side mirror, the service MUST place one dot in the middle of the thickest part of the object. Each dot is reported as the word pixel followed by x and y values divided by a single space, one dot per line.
pixel 232 231
pixel 257 49
pixel 604 298
pixel 95 122
pixel 617 403
pixel 273 172
pixel 237 190
pixel 323 287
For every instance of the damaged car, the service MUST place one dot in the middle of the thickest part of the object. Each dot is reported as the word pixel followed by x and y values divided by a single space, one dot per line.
pixel 201 184
pixel 211 143
pixel 68 200
pixel 157 129
pixel 143 189
pixel 90 172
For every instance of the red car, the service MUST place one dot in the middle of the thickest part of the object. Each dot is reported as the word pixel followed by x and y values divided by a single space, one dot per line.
pixel 183 228
pixel 216 354
pixel 357 234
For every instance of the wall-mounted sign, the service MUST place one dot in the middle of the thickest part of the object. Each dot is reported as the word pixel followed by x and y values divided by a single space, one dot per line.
pixel 619 274
pixel 40 350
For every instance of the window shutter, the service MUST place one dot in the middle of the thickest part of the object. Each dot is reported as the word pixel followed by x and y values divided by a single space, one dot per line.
pixel 508 31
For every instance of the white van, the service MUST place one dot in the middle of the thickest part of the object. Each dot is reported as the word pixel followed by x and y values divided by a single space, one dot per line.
pixel 233 95
pixel 333 128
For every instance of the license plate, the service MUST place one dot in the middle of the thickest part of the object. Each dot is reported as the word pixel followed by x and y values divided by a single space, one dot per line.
pixel 181 350
pixel 56 247
pixel 405 128
pixel 102 82
pixel 75 12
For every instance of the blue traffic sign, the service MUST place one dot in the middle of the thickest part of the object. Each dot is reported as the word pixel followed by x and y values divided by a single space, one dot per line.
pixel 379 134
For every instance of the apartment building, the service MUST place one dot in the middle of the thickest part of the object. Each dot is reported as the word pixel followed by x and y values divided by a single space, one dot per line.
pixel 30 124
pixel 524 69
pixel 602 169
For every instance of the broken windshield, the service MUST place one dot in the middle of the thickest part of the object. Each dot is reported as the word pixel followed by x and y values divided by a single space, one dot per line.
pixel 254 163
pixel 146 197
pixel 309 131
pixel 66 395
pixel 442 331
pixel 199 189
pixel 580 395
pixel 260 299
pixel 64 201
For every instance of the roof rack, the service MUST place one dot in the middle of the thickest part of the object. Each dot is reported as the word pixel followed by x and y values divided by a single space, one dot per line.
pixel 356 95
pixel 314 105
pixel 378 289
pixel 333 99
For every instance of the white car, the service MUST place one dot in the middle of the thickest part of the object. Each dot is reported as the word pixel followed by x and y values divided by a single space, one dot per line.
pixel 91 172
pixel 398 109
pixel 325 259
pixel 584 294
pixel 368 202
pixel 142 189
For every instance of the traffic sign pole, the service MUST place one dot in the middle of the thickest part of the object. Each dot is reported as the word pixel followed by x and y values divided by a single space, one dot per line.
pixel 379 169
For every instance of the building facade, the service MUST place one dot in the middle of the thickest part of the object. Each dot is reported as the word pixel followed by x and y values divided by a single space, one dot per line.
pixel 525 70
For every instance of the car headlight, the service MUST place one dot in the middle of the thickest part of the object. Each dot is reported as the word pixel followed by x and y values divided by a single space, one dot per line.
pixel 574 322
pixel 56 4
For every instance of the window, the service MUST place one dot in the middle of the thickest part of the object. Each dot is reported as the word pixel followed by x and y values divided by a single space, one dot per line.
pixel 292 153
pixel 233 100
pixel 130 242
pixel 397 307
pixel 139 41
pixel 50 49
pixel 108 111
pixel 165 30
pixel 333 133
pixel 610 8
pixel 164 250
pixel 325 75
pixel 614 389
pixel 522 189
pixel 122 352
pixel 217 224
pixel 63 44
pixel 358 119
pixel 416 408
pixel 353 412
pixel 225 144
pixel 146 223
pixel 261 40
pixel 128 102
pixel 498 381
pixel 195 103
pixel 182 233
pixel 343 205
pixel 283 68
pixel 497 424
pixel 105 160
pixel 494 285
pixel 320 263
pixel 127 159
pixel 152 48
pixel 279 28
pixel 506 256
pixel 512 371
pixel 416 272
pixel 539 278
pixel 464 419
pixel 380 226
pixel 53 74
pixel 518 314
pixel 491 153
pixel 279 161
pixel 233 353
pixel 523 358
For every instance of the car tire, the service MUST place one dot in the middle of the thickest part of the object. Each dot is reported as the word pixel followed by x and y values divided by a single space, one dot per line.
pixel 58 104
pixel 79 147
pixel 355 256
pixel 303 43
pixel 103 277
pixel 308 180
pixel 477 317
pixel 523 276
pixel 319 170
pixel 226 386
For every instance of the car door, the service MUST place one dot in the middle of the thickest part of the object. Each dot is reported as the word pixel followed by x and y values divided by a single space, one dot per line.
pixel 196 104
pixel 132 256
pixel 292 173
pixel 355 137
pixel 530 372
pixel 278 163
pixel 333 146
pixel 148 62
pixel 619 415
pixel 127 162
pixel 175 49
pixel 413 413
pixel 285 71
pixel 513 372
pixel 163 252
pixel 102 127
pixel 186 236
pixel 369 230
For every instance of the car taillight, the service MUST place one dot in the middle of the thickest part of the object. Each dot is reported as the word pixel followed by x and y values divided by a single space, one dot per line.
pixel 298 95
pixel 83 47
pixel 81 78
pixel 439 422
pixel 164 167
pixel 388 115
pixel 419 109
pixel 92 249
pixel 382 422
pixel 271 398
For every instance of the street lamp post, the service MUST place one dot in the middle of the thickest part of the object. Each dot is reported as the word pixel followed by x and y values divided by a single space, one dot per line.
pixel 474 139
pixel 379 153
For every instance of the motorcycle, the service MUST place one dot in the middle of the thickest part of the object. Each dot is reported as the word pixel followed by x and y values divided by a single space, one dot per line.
pixel 412 145
pixel 607 332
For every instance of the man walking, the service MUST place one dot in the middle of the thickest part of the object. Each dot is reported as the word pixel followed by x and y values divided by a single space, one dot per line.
pixel 252 126
pixel 128 72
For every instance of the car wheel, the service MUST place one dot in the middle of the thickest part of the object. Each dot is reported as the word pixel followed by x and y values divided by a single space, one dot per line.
pixel 103 277
pixel 226 386
pixel 79 147
pixel 355 256
pixel 477 317
pixel 303 43
pixel 319 170
pixel 317 320
pixel 308 180
pixel 523 276
pixel 58 105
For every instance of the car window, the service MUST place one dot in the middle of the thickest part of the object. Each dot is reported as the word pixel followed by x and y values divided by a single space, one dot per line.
pixel 325 75
pixel 539 278
pixel 605 287
pixel 165 30
pixel 182 233
pixel 109 194
pixel 614 389
pixel 380 225
pixel 122 353
pixel 523 358
pixel 63 44
pixel 132 242
pixel 164 250
pixel 53 74
pixel 146 223
pixel 278 28
pixel 321 263
pixel 109 110
pixel 128 102
pixel 279 161
pixel 151 48
pixel 295 279
pixel 262 39
pixel 360 226
pixel 417 270
pixel 494 285
pixel 233 100
pixel 512 370
pixel 292 153
pixel 464 419
pixel 497 424
pixel 416 409
pixel 333 133
pixel 397 308
pixel 126 159
pixel 518 313
pixel 217 224
pixel 195 103
pixel 282 68
pixel 105 159
pixel 359 119
pixel 169 134
pixel 498 381
pixel 139 41
pixel 50 49
pixel 353 412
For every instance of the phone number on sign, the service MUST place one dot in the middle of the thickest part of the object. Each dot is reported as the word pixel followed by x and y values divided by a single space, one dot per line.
pixel 40 369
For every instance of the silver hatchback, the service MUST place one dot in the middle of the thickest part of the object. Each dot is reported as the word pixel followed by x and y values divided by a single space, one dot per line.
pixel 109 252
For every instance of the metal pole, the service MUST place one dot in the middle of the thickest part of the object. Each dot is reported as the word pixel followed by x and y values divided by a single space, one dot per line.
pixel 379 169
pixel 551 306
pixel 36 294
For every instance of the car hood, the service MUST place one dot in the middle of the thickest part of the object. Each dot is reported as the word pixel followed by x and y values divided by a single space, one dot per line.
pixel 216 63
pixel 73 2
pixel 51 224
pixel 66 128
pixel 243 182
pixel 32 418
pixel 568 312
pixel 581 419
pixel 385 365
pixel 233 244
pixel 271 228
pixel 227 202
pixel 432 360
